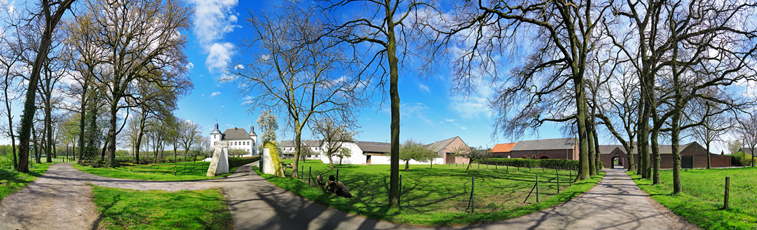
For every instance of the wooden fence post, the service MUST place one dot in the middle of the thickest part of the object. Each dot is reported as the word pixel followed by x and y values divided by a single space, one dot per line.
pixel 537 188
pixel 473 195
pixel 727 185
pixel 400 195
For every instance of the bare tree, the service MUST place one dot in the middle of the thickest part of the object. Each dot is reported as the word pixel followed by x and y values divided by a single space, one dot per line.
pixel 11 53
pixel 562 44
pixel 188 133
pixel 713 126
pixel 748 133
pixel 332 136
pixel 295 69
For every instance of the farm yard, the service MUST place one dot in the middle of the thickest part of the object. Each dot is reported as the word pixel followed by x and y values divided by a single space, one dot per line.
pixel 439 196
pixel 703 194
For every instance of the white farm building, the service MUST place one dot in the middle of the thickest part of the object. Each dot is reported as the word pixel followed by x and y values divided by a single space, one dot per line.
pixel 368 152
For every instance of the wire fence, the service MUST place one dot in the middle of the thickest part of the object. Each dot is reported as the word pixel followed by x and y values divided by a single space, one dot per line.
pixel 483 190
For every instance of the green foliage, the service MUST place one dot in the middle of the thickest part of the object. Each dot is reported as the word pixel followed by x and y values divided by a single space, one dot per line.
pixel 412 150
pixel 12 181
pixel 701 201
pixel 237 152
pixel 235 162
pixel 154 209
pixel 438 196
pixel 742 159
pixel 532 163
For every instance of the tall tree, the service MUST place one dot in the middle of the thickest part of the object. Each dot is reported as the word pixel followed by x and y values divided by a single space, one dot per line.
pixel 52 11
pixel 144 42
pixel 712 126
pixel 11 53
pixel 562 44
pixel 388 26
pixel 748 133
pixel 295 69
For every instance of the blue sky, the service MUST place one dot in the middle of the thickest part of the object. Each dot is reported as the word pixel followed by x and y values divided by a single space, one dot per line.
pixel 428 111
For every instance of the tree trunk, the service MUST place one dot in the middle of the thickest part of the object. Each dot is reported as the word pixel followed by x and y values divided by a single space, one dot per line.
pixel 470 160
pixel 407 165
pixel 709 160
pixel 394 96
pixel 48 129
pixel 298 147
pixel 27 117
pixel 82 123
pixel 112 132
pixel 656 156
pixel 583 157
pixel 592 160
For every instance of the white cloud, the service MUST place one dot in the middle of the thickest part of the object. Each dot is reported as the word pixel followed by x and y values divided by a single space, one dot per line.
pixel 219 56
pixel 213 19
pixel 240 66
pixel 476 104
pixel 424 88
pixel 190 65
pixel 215 94
pixel 449 120
pixel 463 127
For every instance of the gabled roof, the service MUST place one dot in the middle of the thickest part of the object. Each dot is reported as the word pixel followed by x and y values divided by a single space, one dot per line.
pixel 374 147
pixel 216 131
pixel 235 134
pixel 502 148
pixel 310 143
pixel 439 145
pixel 545 144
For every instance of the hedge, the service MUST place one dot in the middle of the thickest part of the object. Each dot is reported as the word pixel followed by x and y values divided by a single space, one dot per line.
pixel 239 161
pixel 531 163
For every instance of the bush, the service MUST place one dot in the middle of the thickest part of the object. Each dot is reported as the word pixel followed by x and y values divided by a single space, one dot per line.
pixel 531 163
pixel 239 161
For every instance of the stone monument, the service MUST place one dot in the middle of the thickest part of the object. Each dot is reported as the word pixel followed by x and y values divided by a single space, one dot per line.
pixel 271 161
pixel 220 162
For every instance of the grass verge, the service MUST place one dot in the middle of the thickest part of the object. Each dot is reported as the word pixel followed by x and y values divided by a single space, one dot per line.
pixel 133 209
pixel 185 171
pixel 439 196
pixel 701 201
pixel 12 181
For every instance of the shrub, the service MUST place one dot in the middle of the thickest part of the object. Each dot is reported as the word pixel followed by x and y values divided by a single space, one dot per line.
pixel 531 163
pixel 239 161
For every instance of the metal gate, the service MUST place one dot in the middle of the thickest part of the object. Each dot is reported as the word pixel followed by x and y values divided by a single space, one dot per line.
pixel 687 162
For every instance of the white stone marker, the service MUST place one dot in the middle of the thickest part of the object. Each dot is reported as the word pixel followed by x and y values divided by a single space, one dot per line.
pixel 220 162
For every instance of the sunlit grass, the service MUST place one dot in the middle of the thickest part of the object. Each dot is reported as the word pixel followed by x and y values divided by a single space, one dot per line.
pixel 703 194
pixel 12 181
pixel 132 209
pixel 439 196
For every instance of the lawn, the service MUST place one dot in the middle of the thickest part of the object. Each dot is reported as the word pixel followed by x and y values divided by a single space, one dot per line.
pixel 182 171
pixel 439 196
pixel 132 209
pixel 12 181
pixel 701 202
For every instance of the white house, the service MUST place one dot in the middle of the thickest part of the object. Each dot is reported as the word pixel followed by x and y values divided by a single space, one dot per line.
pixel 288 148
pixel 238 138
pixel 368 152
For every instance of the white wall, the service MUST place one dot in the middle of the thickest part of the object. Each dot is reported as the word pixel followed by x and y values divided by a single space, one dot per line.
pixel 358 157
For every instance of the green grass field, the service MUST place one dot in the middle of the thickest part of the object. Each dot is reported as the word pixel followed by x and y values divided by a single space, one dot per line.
pixel 132 209
pixel 439 196
pixel 12 181
pixel 701 202
pixel 185 171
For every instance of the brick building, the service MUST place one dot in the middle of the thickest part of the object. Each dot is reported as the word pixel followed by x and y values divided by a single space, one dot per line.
pixel 692 154
pixel 560 148
pixel 501 150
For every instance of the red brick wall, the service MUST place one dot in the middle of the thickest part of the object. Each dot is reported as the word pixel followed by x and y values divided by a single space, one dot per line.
pixel 666 160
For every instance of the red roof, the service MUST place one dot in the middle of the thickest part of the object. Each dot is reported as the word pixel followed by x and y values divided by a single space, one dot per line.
pixel 502 148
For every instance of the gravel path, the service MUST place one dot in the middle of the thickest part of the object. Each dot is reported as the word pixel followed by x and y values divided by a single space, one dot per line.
pixel 62 199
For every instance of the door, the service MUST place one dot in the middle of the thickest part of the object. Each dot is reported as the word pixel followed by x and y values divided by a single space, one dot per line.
pixel 368 159
pixel 687 162
pixel 450 158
